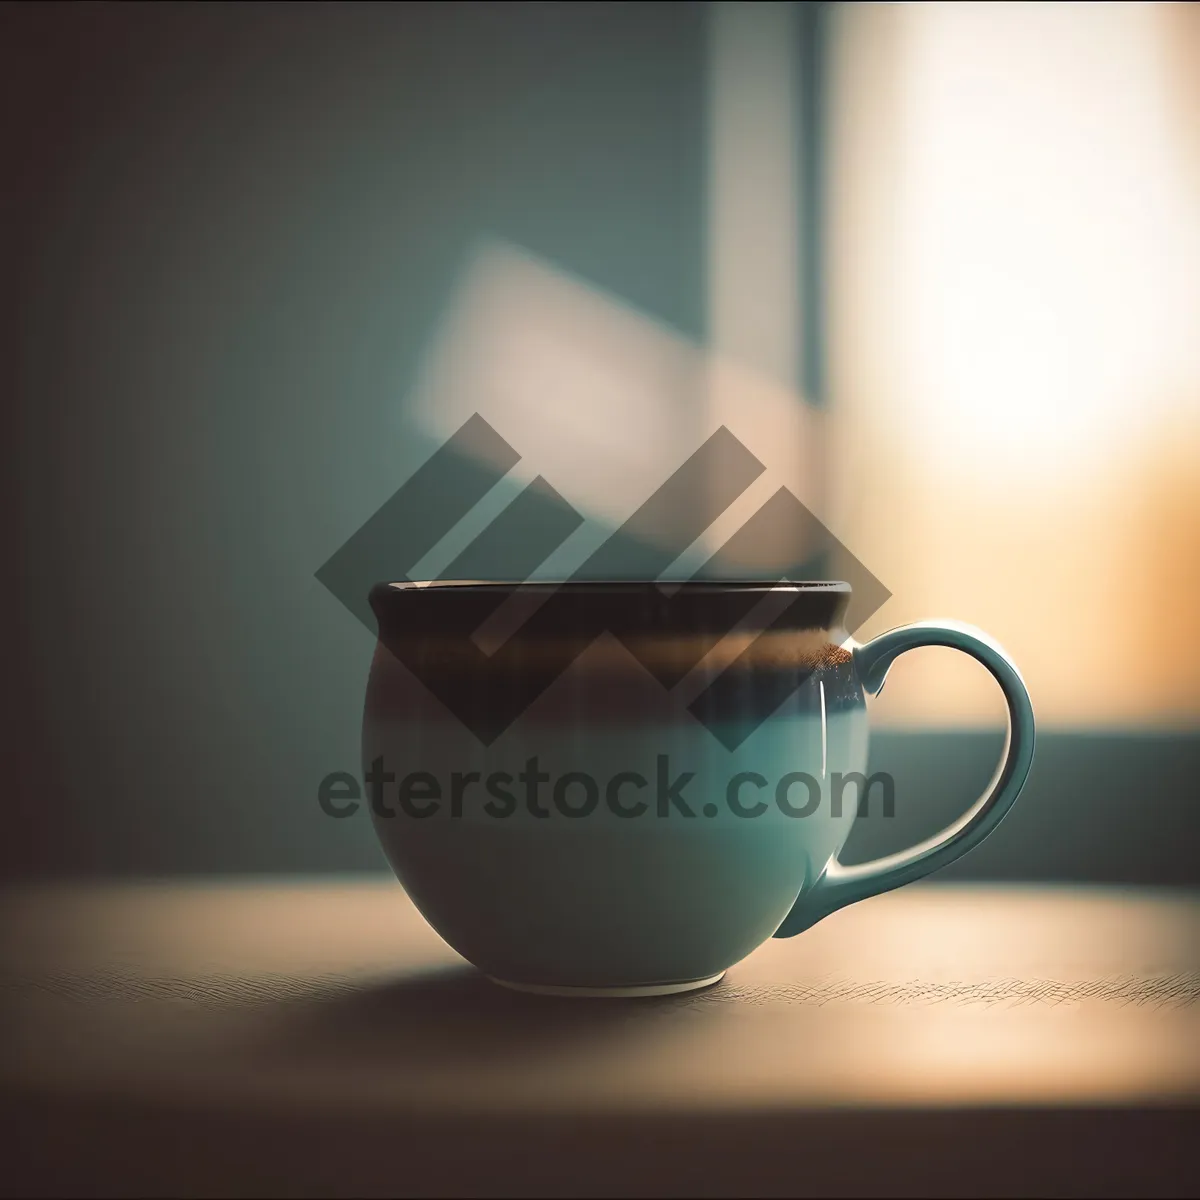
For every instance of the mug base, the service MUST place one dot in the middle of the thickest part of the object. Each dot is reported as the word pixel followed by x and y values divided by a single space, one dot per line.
pixel 646 989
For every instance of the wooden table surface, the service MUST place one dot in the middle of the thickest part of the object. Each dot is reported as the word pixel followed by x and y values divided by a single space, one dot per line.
pixel 317 1037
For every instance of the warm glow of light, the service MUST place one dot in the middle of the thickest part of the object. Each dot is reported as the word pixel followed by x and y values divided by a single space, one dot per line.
pixel 1015 292
pixel 1051 242
pixel 1013 274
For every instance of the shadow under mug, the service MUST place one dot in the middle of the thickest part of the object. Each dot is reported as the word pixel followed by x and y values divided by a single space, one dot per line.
pixel 625 788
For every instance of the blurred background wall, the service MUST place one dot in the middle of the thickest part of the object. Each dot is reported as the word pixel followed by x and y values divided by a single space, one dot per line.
pixel 938 266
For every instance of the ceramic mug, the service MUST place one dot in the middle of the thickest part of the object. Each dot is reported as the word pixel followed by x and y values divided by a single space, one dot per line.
pixel 632 787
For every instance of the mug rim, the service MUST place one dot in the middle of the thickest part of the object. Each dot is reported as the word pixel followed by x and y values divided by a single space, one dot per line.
pixel 618 586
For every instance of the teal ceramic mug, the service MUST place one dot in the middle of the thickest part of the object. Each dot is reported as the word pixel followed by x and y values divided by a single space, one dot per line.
pixel 624 789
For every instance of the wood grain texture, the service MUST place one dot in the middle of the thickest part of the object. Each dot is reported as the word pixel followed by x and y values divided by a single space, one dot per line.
pixel 329 1015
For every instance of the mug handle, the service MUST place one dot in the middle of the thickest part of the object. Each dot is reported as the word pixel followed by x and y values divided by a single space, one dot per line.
pixel 838 886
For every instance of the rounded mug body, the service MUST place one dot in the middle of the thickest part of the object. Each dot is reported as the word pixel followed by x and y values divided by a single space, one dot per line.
pixel 628 789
